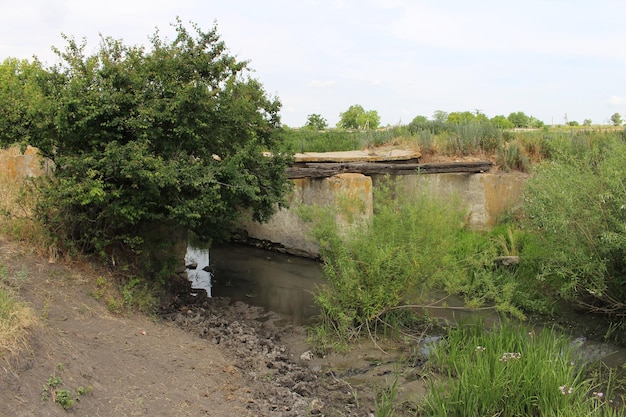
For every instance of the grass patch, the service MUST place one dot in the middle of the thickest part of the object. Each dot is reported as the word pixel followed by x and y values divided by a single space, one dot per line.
pixel 53 389
pixel 16 320
pixel 508 371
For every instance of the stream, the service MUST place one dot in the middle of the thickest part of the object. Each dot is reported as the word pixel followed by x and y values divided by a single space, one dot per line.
pixel 286 284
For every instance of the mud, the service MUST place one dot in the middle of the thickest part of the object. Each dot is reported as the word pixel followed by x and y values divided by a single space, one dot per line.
pixel 285 377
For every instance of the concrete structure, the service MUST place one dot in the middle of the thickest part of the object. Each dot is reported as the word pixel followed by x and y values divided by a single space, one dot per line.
pixel 485 196
pixel 288 232
pixel 28 164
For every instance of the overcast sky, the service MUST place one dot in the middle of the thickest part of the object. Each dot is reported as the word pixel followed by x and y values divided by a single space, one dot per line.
pixel 402 58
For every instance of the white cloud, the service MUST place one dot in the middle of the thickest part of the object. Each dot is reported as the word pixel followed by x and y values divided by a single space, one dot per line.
pixel 616 101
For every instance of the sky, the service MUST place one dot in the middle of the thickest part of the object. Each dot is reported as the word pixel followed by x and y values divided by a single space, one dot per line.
pixel 556 60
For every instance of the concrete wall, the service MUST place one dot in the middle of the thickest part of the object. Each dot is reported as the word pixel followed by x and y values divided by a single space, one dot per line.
pixel 287 232
pixel 24 165
pixel 485 196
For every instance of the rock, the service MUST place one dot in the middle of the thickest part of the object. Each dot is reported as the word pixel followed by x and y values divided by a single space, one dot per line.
pixel 306 356
pixel 506 261
pixel 315 407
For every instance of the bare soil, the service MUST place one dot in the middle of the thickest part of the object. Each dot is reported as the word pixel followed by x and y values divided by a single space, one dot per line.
pixel 198 357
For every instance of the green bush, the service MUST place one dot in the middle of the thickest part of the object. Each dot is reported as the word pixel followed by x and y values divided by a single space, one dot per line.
pixel 576 203
pixel 472 138
pixel 413 245
pixel 172 135
pixel 372 267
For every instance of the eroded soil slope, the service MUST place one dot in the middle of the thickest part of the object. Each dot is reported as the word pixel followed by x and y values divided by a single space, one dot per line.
pixel 199 357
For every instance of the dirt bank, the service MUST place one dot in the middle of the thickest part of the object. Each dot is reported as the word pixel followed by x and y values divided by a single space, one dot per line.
pixel 198 357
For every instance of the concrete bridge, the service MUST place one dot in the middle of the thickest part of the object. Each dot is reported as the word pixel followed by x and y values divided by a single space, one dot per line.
pixel 328 178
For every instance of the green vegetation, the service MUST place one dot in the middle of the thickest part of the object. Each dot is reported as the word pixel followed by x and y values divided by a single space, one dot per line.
pixel 575 204
pixel 616 119
pixel 379 272
pixel 146 142
pixel 356 117
pixel 385 400
pixel 510 372
pixel 64 397
pixel 315 122
pixel 568 234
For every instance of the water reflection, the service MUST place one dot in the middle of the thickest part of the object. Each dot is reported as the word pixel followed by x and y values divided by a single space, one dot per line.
pixel 197 265
pixel 281 283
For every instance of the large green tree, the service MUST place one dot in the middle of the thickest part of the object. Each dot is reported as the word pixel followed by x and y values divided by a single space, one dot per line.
pixel 502 122
pixel 616 119
pixel 357 118
pixel 177 136
pixel 519 119
pixel 316 122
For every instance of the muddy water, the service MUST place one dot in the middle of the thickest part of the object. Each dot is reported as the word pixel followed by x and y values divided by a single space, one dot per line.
pixel 281 283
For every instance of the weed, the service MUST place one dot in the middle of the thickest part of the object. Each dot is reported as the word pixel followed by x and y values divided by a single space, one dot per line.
pixel 138 294
pixel 371 268
pixel 81 391
pixel 64 397
pixel 101 288
pixel 508 243
pixel 385 401
pixel 115 305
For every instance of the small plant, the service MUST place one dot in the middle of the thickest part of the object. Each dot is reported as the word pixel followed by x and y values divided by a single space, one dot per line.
pixel 508 243
pixel 385 401
pixel 64 397
pixel 81 391
pixel 138 294
pixel 511 157
pixel 115 305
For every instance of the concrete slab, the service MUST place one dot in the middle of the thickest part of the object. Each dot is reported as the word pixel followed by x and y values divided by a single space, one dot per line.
pixel 370 155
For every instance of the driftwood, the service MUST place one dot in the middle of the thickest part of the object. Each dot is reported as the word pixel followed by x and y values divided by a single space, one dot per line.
pixel 328 169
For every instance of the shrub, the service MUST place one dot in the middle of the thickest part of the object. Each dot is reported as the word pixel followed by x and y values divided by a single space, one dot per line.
pixel 371 268
pixel 577 205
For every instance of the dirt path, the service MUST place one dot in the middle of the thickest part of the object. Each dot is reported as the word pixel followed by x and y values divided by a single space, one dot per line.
pixel 211 358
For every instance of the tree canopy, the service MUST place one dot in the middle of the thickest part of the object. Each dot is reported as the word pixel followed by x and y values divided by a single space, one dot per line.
pixel 316 122
pixel 172 135
pixel 357 118
pixel 616 119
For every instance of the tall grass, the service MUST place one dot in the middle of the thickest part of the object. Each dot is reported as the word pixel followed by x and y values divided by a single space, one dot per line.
pixel 304 140
pixel 510 372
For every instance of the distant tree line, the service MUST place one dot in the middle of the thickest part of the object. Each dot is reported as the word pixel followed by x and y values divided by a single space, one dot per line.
pixel 357 118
